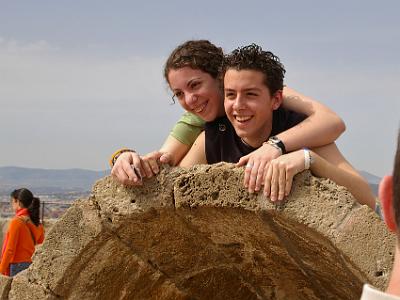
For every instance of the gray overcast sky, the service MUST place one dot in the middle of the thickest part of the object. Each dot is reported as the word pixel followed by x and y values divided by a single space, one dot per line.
pixel 79 79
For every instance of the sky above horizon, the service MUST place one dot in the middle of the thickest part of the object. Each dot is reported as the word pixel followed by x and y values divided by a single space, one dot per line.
pixel 79 80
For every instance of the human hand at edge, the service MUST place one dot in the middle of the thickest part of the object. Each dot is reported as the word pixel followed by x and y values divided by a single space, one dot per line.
pixel 152 161
pixel 255 163
pixel 124 169
pixel 279 174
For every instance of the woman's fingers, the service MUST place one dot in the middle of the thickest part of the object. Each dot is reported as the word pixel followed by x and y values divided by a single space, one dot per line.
pixel 281 181
pixel 274 182
pixel 289 182
pixel 123 171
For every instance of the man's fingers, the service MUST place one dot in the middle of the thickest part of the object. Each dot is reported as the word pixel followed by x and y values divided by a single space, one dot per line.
pixel 247 172
pixel 260 176
pixel 242 161
pixel 253 176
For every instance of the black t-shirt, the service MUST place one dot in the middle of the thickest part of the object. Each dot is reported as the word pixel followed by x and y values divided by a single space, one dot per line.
pixel 223 144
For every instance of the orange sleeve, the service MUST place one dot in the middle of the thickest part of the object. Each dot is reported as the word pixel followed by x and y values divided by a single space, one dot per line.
pixel 13 233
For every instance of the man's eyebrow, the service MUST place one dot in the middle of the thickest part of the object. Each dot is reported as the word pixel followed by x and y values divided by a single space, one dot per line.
pixel 252 89
pixel 245 90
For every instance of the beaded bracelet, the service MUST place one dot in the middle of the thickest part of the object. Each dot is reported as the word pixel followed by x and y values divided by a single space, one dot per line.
pixel 116 154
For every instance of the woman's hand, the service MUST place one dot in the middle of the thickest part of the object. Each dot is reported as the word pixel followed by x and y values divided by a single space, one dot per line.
pixel 130 167
pixel 151 162
pixel 255 163
pixel 124 169
pixel 279 174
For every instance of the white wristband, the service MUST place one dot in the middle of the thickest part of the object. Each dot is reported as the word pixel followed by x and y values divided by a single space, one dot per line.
pixel 307 159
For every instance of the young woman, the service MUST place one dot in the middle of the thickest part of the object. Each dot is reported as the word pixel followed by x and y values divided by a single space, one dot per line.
pixel 192 72
pixel 24 232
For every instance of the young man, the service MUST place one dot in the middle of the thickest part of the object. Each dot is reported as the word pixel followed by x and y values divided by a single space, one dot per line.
pixel 253 83
pixel 389 194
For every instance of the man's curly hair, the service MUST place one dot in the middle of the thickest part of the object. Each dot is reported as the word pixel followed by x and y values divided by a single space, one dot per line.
pixel 196 54
pixel 252 57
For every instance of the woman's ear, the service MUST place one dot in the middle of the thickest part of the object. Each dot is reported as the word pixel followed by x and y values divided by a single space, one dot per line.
pixel 386 197
pixel 277 99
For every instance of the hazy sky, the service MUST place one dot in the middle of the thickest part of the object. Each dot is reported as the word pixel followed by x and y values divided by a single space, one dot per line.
pixel 79 79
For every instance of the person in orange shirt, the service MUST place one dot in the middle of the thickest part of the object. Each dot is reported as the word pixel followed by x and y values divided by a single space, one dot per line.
pixel 24 232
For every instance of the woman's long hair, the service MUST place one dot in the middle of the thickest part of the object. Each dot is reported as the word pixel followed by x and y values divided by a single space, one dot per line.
pixel 27 200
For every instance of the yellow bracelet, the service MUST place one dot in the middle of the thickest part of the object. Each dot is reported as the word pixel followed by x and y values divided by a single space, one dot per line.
pixel 116 154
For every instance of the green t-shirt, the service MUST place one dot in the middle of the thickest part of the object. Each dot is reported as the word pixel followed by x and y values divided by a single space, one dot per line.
pixel 188 128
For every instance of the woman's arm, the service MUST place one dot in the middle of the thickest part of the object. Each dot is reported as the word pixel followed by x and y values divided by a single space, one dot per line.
pixel 173 151
pixel 196 154
pixel 130 167
pixel 328 162
pixel 9 252
pixel 181 138
pixel 321 127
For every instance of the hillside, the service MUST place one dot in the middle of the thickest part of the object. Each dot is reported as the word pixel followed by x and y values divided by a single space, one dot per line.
pixel 77 180
pixel 372 180
pixel 48 180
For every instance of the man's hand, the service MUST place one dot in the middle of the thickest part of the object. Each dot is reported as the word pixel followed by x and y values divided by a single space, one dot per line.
pixel 255 163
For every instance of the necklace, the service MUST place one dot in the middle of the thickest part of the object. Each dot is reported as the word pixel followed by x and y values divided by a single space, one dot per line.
pixel 244 142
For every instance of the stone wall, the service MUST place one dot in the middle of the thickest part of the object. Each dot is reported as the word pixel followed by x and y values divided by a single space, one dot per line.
pixel 198 234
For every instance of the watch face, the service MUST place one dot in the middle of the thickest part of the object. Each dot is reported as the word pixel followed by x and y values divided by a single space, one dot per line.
pixel 274 139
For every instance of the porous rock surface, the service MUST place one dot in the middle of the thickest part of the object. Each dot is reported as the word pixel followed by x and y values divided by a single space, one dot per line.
pixel 198 234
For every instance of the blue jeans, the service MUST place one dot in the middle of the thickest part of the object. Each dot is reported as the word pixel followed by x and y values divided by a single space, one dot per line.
pixel 18 267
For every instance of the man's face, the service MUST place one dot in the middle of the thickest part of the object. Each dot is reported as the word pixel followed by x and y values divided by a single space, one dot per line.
pixel 249 105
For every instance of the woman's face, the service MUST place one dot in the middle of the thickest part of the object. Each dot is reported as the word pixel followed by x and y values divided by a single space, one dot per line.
pixel 198 92
pixel 14 204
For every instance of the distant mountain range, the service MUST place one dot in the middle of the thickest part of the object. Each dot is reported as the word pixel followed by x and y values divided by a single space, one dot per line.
pixel 372 180
pixel 45 181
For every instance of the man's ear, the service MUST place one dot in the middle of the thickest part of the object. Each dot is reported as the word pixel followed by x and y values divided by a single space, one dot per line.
pixel 277 99
pixel 386 197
